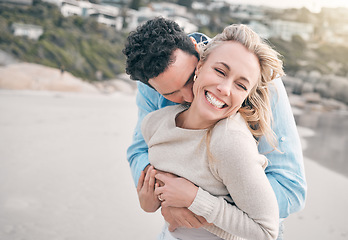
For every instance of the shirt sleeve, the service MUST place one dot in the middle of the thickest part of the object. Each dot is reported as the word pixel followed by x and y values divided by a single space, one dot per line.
pixel 239 166
pixel 137 152
pixel 285 170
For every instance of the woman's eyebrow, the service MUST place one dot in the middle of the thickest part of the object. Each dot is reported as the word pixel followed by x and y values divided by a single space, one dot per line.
pixel 226 66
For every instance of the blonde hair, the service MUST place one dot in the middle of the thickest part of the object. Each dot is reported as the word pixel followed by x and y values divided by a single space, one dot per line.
pixel 256 109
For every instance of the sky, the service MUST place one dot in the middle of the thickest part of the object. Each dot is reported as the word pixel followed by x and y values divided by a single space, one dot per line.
pixel 313 5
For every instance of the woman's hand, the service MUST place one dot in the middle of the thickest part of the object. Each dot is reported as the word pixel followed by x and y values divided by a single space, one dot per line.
pixel 176 192
pixel 146 191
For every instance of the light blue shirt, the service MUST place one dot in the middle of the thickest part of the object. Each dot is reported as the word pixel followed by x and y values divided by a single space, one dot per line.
pixel 285 170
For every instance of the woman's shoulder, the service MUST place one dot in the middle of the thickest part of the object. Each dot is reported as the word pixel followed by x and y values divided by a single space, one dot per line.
pixel 232 141
pixel 232 132
pixel 233 124
pixel 167 111
pixel 159 118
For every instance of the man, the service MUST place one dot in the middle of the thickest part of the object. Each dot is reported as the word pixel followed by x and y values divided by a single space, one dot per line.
pixel 163 58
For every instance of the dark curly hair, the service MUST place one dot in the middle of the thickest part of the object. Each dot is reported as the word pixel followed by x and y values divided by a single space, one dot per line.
pixel 149 48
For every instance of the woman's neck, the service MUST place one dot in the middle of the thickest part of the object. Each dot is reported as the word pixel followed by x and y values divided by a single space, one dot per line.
pixel 190 120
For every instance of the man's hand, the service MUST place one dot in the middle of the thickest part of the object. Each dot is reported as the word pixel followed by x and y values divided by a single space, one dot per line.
pixel 146 191
pixel 182 217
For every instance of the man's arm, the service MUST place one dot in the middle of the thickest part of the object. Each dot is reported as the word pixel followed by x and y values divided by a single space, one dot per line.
pixel 285 170
pixel 137 154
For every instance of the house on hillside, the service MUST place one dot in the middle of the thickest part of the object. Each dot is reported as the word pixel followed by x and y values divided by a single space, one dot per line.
pixel 78 8
pixel 105 14
pixel 27 30
pixel 260 28
pixel 18 2
pixel 135 18
pixel 171 11
pixel 287 29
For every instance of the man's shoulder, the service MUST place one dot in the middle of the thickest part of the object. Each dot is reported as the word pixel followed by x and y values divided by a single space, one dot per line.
pixel 149 94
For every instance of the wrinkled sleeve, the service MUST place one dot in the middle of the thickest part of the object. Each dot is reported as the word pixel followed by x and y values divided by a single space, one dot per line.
pixel 255 215
pixel 285 170
pixel 137 152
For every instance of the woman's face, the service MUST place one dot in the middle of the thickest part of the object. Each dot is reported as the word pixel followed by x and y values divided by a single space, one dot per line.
pixel 224 81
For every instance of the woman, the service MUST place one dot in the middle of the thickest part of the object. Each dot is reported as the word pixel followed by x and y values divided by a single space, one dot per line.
pixel 212 143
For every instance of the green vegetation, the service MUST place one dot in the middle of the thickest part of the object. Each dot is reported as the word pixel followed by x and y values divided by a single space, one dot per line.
pixel 324 58
pixel 81 45
pixel 85 47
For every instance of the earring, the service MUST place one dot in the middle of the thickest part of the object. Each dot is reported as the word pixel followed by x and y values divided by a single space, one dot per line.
pixel 194 77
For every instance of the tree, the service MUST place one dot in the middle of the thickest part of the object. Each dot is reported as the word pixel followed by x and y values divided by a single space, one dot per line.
pixel 135 4
pixel 186 3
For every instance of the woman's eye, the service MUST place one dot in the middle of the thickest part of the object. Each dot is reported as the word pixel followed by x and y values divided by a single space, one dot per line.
pixel 220 71
pixel 243 87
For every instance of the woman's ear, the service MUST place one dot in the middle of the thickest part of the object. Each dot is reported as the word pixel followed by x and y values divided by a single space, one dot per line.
pixel 199 65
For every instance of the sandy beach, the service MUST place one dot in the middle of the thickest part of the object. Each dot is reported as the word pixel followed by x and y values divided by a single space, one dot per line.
pixel 64 173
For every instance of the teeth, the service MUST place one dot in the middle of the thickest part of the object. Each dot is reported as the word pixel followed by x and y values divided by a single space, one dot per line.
pixel 215 102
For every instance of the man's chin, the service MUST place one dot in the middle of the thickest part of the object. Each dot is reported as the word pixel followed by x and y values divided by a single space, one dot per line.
pixel 186 104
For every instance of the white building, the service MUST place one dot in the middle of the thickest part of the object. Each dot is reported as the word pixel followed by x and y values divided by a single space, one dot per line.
pixel 185 24
pixel 171 11
pixel 73 7
pixel 18 2
pixel 27 30
pixel 105 14
pixel 135 18
pixel 260 29
pixel 286 30
pixel 168 9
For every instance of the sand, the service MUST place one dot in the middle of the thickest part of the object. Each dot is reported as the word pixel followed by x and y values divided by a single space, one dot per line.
pixel 64 174
pixel 31 76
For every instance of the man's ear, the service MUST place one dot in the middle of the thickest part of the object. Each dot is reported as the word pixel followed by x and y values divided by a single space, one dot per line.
pixel 195 43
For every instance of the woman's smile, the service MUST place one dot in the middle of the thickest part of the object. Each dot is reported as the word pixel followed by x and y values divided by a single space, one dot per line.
pixel 213 100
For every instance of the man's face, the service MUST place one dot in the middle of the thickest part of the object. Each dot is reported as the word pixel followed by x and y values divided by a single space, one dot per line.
pixel 175 83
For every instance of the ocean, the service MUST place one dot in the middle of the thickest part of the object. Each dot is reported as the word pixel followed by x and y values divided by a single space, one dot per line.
pixel 329 144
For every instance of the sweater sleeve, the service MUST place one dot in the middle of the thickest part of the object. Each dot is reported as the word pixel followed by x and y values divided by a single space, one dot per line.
pixel 240 167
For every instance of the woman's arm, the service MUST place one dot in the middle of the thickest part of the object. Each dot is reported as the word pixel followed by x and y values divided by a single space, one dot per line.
pixel 240 168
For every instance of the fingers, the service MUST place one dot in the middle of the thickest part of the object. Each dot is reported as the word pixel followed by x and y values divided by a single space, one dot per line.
pixel 161 177
pixel 188 219
pixel 188 223
pixel 202 220
pixel 158 190
pixel 147 181
pixel 166 174
pixel 193 222
pixel 152 179
pixel 172 227
pixel 141 181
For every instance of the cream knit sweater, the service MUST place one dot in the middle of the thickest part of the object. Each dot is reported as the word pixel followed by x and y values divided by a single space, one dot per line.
pixel 237 172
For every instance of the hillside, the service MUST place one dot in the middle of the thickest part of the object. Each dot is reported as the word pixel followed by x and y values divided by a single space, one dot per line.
pixel 80 45
pixel 93 51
